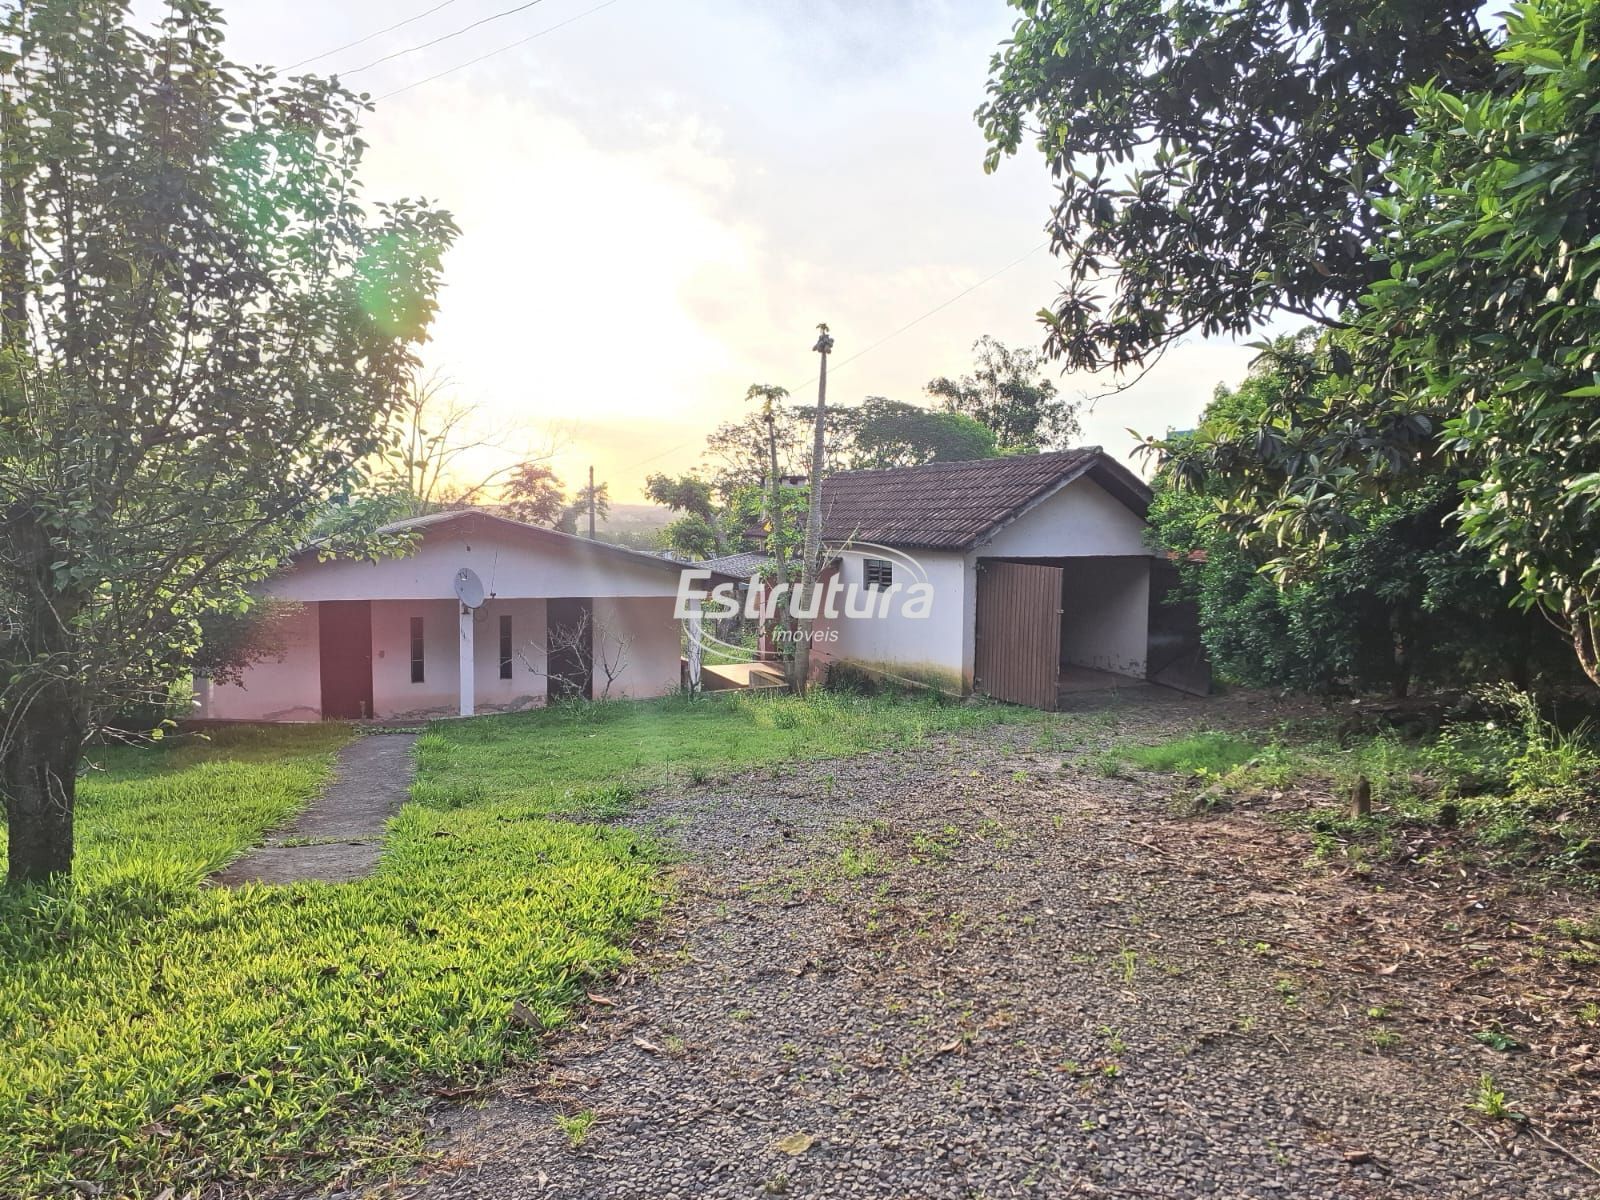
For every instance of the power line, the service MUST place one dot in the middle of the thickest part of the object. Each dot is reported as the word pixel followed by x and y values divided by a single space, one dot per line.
pixel 472 62
pixel 444 37
pixel 939 309
pixel 361 41
pixel 965 292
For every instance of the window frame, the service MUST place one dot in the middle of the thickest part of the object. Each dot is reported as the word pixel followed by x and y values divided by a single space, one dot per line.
pixel 877 574
pixel 505 646
pixel 419 648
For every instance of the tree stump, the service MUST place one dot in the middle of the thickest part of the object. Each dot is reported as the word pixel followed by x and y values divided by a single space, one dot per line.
pixel 1361 798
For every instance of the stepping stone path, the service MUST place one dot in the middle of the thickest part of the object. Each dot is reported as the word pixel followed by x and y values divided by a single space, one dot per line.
pixel 339 836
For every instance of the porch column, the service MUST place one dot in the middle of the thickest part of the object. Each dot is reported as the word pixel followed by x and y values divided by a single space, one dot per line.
pixel 467 685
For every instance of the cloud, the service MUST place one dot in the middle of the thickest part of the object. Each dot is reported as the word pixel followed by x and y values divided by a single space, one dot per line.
pixel 659 202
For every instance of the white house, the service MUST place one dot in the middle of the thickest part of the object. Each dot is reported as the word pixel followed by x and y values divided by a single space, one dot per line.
pixel 390 639
pixel 1038 569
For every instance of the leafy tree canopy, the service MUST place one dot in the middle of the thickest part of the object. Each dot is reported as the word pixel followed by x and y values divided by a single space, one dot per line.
pixel 1473 350
pixel 1215 159
pixel 203 336
pixel 1009 394
pixel 1391 598
pixel 533 493
pixel 879 433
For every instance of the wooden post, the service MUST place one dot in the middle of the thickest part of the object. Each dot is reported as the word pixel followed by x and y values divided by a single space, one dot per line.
pixel 813 542
pixel 591 504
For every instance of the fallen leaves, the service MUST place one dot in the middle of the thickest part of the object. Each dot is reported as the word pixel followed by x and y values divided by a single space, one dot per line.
pixel 794 1144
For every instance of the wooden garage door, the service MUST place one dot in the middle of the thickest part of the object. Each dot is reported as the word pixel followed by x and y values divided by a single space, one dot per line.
pixel 1018 651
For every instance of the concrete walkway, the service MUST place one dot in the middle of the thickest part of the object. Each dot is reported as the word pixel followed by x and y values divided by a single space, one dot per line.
pixel 340 835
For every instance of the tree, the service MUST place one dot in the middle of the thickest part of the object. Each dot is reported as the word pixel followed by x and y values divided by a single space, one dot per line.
pixel 1215 162
pixel 1488 315
pixel 1472 352
pixel 202 338
pixel 576 512
pixel 1391 599
pixel 740 453
pixel 1009 395
pixel 881 433
pixel 436 460
pixel 699 531
pixel 533 493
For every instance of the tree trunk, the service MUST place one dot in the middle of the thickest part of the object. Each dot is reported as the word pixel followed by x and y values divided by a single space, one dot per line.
pixel 1400 656
pixel 38 775
pixel 1584 643
pixel 780 556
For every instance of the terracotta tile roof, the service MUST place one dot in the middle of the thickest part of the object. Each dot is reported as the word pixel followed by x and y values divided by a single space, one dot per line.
pixel 952 505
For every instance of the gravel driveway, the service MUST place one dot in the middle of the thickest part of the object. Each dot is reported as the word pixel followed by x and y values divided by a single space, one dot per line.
pixel 977 968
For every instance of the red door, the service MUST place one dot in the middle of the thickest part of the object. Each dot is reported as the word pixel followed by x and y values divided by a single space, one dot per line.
pixel 345 641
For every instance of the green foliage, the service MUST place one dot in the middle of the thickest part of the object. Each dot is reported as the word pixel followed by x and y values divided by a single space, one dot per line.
pixel 1468 362
pixel 1524 788
pixel 880 433
pixel 575 514
pixel 1491 308
pixel 1391 597
pixel 1215 161
pixel 1197 754
pixel 534 493
pixel 1009 394
pixel 156 1029
pixel 202 338
pixel 700 532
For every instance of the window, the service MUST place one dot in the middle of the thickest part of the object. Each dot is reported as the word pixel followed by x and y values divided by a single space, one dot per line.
pixel 505 647
pixel 416 649
pixel 879 573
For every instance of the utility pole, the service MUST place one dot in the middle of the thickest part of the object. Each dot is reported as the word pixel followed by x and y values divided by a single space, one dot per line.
pixel 813 544
pixel 591 504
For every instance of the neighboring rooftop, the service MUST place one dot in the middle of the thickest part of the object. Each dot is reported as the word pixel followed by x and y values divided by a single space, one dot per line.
pixel 953 505
pixel 740 566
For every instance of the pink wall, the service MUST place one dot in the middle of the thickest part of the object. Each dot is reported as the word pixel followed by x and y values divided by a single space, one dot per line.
pixel 290 688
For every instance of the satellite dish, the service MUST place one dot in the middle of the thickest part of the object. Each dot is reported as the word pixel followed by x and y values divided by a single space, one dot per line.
pixel 469 588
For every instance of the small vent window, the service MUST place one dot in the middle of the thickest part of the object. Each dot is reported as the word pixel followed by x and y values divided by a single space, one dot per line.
pixel 416 649
pixel 505 646
pixel 879 573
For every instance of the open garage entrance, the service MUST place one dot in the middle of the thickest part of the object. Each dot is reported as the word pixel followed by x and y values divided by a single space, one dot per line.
pixel 1049 626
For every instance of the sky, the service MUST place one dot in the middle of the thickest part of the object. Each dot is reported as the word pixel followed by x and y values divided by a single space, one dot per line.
pixel 659 201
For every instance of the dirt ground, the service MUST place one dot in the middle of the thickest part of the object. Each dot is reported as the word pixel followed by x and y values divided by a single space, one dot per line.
pixel 979 968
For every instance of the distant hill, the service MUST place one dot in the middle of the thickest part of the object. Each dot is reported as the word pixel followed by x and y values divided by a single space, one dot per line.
pixel 635 525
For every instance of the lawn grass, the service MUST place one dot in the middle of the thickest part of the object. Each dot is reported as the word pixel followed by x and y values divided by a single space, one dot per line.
pixel 584 757
pixel 156 1031
pixel 1196 754
pixel 1523 792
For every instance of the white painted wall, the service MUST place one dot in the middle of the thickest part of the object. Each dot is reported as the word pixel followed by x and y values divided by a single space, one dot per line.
pixel 282 688
pixel 394 696
pixel 1080 519
pixel 937 648
pixel 1105 614
pixel 393 693
pixel 1108 597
